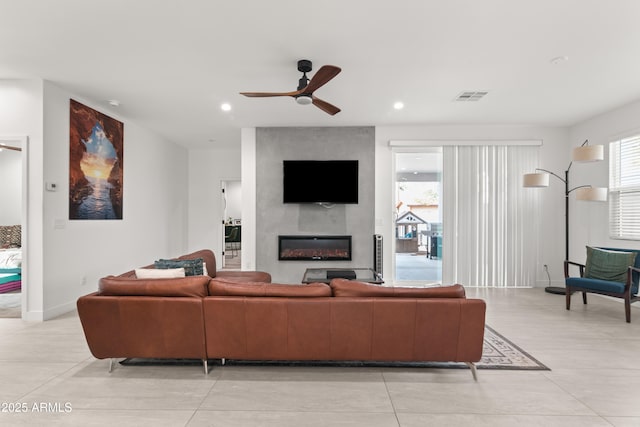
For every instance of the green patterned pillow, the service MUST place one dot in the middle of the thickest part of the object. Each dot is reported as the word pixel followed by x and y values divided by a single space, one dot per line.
pixel 192 267
pixel 608 265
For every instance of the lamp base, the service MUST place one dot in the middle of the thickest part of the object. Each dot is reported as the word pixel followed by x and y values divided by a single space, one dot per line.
pixel 555 290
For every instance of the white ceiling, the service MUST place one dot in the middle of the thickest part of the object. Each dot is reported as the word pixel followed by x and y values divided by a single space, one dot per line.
pixel 172 63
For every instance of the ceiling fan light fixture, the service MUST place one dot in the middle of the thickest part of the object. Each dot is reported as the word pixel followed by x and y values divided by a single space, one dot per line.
pixel 304 100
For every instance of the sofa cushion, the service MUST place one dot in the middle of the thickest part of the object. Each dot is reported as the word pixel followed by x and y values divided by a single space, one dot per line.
pixel 192 267
pixel 353 288
pixel 243 276
pixel 594 284
pixel 608 265
pixel 260 289
pixel 192 286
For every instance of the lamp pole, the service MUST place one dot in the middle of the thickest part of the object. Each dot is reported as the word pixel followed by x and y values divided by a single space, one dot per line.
pixel 583 153
pixel 567 191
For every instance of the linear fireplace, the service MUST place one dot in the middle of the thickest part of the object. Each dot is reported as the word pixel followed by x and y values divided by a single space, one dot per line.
pixel 314 248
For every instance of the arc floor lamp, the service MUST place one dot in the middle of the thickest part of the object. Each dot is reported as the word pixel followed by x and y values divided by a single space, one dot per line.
pixel 583 153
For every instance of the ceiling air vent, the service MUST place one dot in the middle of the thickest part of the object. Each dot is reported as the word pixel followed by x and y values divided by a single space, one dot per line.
pixel 469 96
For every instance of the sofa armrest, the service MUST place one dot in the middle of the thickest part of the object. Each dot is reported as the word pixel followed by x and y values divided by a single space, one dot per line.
pixel 570 263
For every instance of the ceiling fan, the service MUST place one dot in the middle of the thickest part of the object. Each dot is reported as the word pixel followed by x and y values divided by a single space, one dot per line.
pixel 304 94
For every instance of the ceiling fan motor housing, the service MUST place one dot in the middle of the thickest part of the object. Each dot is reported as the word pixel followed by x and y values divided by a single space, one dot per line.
pixel 304 66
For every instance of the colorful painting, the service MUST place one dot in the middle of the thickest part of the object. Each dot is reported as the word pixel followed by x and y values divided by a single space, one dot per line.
pixel 95 164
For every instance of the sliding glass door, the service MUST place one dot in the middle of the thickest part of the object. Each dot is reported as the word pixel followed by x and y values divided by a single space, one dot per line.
pixel 418 216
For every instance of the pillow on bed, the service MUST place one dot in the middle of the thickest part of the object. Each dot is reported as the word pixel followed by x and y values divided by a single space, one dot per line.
pixel 10 236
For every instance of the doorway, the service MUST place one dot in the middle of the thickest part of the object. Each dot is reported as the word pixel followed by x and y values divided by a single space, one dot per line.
pixel 12 231
pixel 231 224
pixel 418 216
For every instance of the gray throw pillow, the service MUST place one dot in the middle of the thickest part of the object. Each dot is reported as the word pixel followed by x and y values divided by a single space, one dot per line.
pixel 192 267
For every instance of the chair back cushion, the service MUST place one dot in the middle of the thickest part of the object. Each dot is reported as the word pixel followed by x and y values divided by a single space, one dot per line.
pixel 606 264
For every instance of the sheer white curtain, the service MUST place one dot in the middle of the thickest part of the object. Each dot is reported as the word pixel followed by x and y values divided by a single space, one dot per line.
pixel 490 224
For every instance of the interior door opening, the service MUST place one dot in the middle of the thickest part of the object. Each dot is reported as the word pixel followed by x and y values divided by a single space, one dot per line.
pixel 231 224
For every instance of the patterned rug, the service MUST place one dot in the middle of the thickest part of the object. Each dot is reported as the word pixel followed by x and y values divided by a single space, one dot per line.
pixel 500 353
pixel 497 353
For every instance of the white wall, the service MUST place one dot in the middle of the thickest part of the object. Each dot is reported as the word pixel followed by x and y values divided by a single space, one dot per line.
pixel 155 207
pixel 590 220
pixel 553 156
pixel 233 194
pixel 66 262
pixel 11 193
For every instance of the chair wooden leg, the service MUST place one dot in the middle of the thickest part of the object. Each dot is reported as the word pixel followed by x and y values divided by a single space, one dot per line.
pixel 567 294
pixel 584 297
pixel 627 309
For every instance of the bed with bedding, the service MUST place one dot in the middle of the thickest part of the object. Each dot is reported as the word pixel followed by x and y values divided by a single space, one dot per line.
pixel 10 258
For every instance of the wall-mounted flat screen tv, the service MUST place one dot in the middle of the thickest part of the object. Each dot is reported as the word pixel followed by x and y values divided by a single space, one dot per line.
pixel 320 181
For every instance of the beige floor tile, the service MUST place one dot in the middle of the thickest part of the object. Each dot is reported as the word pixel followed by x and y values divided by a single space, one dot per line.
pixel 93 418
pixel 481 420
pixel 592 352
pixel 291 419
pixel 312 394
pixel 624 421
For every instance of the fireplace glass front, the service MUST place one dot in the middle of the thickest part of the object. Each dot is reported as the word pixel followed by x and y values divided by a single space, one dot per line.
pixel 314 248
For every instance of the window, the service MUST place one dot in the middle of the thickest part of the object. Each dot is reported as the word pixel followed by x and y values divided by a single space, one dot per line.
pixel 624 189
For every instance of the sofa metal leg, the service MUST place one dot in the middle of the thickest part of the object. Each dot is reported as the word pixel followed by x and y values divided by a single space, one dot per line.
pixel 111 362
pixel 205 363
pixel 474 371
pixel 223 360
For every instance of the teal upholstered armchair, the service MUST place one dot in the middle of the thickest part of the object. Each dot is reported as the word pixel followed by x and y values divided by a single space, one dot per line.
pixel 607 271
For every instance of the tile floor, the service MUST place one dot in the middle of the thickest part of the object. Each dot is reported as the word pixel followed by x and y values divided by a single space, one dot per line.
pixel 594 381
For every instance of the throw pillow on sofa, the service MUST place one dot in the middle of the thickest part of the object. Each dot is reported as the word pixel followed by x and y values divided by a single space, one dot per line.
pixel 192 267
pixel 155 273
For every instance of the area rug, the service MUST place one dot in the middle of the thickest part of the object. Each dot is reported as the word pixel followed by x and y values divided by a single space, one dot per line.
pixel 497 353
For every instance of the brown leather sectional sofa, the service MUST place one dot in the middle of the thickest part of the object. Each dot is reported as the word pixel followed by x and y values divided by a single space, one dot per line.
pixel 226 316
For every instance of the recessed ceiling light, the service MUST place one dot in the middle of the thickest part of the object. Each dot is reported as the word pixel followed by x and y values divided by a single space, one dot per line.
pixel 225 107
pixel 559 60
pixel 398 105
pixel 114 102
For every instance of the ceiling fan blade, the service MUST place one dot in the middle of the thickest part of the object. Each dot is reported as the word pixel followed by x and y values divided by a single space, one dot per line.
pixel 268 94
pixel 321 77
pixel 325 106
pixel 9 147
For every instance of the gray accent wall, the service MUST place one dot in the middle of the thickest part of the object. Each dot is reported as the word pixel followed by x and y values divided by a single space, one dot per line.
pixel 274 218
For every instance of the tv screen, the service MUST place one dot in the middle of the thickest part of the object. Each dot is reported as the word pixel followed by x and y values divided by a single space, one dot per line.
pixel 320 181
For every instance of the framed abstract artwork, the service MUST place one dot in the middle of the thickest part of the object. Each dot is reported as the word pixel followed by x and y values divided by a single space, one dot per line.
pixel 95 164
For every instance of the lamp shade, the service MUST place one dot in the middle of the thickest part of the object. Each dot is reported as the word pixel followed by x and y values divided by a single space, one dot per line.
pixel 588 153
pixel 537 179
pixel 594 194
